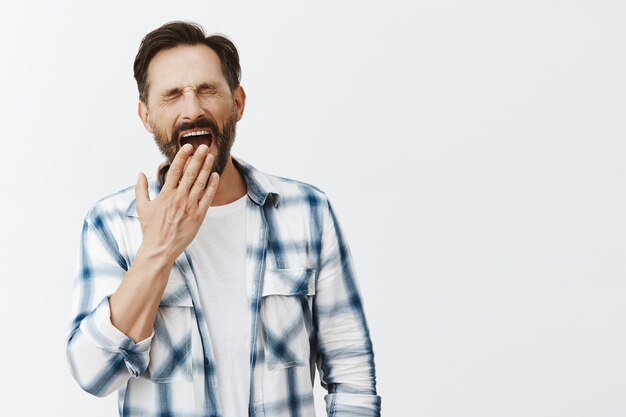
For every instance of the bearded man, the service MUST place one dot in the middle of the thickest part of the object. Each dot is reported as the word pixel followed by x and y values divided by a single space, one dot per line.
pixel 214 289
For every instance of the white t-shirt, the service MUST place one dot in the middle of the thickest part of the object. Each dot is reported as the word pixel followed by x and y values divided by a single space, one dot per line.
pixel 219 258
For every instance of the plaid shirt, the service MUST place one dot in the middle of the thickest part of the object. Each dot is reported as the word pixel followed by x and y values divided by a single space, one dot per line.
pixel 304 301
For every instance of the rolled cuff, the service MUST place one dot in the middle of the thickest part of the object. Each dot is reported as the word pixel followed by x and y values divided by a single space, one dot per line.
pixel 97 327
pixel 352 405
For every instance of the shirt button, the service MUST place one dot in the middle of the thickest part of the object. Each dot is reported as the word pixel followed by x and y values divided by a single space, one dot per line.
pixel 206 361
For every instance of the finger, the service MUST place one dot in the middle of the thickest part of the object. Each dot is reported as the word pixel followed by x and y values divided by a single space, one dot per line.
pixel 141 192
pixel 191 172
pixel 186 164
pixel 177 168
pixel 199 186
pixel 207 198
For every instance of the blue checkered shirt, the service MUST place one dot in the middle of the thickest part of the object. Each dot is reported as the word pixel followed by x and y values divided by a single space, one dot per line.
pixel 304 301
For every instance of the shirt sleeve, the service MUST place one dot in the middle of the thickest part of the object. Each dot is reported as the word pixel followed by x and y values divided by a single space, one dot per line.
pixel 101 358
pixel 346 358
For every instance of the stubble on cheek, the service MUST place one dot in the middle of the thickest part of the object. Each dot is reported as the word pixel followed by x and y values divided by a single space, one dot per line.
pixel 168 147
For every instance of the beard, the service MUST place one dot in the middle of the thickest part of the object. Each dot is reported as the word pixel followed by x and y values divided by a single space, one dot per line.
pixel 223 139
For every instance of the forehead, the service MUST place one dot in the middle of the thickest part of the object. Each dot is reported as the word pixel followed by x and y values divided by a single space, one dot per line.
pixel 185 65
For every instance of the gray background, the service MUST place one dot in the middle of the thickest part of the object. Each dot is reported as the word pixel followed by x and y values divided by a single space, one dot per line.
pixel 474 152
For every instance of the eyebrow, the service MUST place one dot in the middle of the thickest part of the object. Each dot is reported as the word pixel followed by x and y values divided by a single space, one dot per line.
pixel 171 92
pixel 212 86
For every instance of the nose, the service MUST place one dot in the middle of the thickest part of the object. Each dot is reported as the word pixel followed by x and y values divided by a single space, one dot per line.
pixel 192 107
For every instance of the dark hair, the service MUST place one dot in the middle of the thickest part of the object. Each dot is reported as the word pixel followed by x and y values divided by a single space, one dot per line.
pixel 174 34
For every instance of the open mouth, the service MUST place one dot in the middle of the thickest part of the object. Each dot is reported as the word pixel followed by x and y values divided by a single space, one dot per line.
pixel 197 138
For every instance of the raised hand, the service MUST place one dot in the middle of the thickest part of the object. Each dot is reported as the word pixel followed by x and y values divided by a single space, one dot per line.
pixel 172 219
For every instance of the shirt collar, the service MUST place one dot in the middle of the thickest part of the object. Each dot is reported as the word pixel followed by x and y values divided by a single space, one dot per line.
pixel 259 185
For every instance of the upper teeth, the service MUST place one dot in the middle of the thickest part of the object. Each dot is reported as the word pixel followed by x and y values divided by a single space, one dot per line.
pixel 197 133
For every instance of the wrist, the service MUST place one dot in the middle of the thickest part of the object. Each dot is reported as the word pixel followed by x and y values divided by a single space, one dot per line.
pixel 155 258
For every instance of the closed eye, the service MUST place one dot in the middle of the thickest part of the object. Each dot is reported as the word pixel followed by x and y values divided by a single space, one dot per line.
pixel 207 89
pixel 171 94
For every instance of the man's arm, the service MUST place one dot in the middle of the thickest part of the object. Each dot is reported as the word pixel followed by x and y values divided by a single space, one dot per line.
pixel 346 358
pixel 115 308
pixel 169 224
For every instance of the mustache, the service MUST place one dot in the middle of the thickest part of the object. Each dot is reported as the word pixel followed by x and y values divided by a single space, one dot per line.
pixel 203 123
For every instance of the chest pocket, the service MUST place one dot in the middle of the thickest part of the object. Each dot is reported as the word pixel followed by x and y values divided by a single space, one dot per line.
pixel 286 317
pixel 170 351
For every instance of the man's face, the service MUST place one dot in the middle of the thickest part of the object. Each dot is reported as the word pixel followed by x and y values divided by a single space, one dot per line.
pixel 189 101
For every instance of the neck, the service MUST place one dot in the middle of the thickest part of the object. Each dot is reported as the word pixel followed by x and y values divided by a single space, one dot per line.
pixel 231 187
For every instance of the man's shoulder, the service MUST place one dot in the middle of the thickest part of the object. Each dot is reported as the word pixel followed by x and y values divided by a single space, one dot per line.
pixel 118 204
pixel 290 186
pixel 291 190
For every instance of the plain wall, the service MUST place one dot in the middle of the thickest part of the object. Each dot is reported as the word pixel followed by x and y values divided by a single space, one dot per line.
pixel 474 153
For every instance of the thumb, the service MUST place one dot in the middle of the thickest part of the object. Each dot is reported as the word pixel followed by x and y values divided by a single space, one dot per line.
pixel 141 192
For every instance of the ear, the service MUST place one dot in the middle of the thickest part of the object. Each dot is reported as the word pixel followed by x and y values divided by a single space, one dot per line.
pixel 142 111
pixel 239 96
